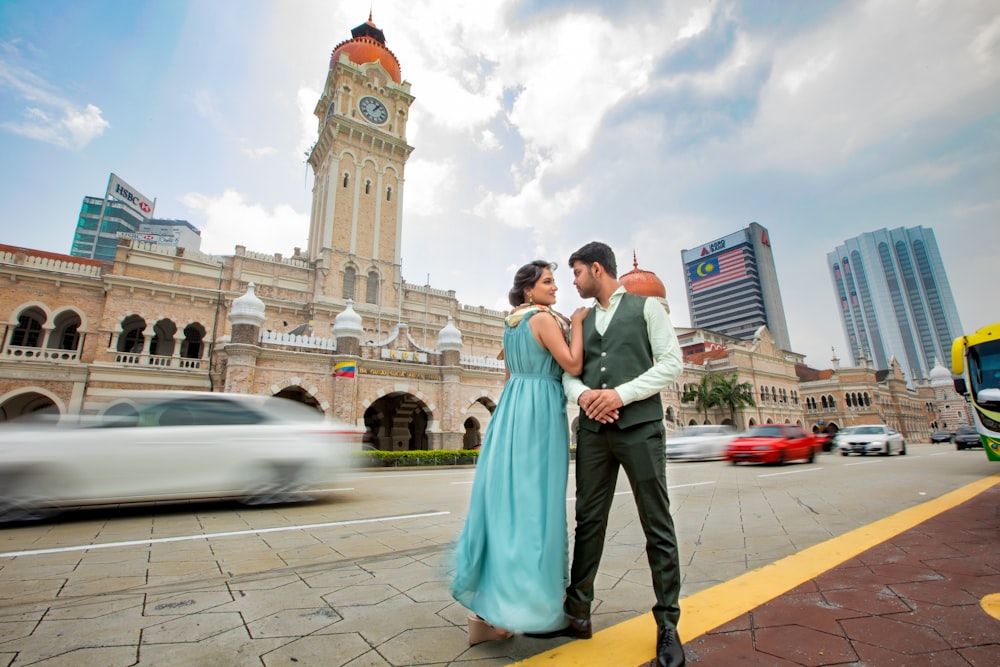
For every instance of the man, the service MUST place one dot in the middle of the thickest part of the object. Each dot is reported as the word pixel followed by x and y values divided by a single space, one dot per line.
pixel 630 355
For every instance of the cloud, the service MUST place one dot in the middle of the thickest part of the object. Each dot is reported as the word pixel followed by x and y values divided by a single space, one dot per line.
pixel 47 116
pixel 230 220
pixel 257 153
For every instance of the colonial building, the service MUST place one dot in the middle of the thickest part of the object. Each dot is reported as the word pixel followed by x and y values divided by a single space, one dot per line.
pixel 337 326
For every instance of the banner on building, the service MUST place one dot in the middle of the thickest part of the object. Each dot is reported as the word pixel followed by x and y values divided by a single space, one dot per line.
pixel 134 199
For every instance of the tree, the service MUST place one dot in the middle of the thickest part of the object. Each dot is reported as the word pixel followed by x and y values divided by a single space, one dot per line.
pixel 702 394
pixel 733 394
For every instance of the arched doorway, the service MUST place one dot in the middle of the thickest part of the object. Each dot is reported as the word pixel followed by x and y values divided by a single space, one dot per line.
pixel 300 395
pixel 398 422
pixel 29 404
pixel 472 438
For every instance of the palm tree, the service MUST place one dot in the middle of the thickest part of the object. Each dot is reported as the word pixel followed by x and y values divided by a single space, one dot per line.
pixel 702 394
pixel 733 394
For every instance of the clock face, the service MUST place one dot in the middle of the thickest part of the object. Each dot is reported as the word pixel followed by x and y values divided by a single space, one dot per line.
pixel 373 110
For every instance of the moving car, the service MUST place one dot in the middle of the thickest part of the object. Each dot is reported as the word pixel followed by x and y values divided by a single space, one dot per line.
pixel 941 436
pixel 699 442
pixel 824 440
pixel 160 446
pixel 872 439
pixel 966 437
pixel 773 443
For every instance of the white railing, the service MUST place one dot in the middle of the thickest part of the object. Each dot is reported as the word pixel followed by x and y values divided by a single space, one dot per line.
pixel 42 354
pixel 481 362
pixel 292 340
pixel 51 264
pixel 161 361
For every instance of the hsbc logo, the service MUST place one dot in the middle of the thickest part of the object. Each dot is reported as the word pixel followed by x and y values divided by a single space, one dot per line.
pixel 124 192
pixel 132 199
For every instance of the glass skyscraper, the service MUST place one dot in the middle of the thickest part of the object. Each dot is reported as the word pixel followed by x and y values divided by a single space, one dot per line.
pixel 894 299
pixel 732 286
pixel 97 237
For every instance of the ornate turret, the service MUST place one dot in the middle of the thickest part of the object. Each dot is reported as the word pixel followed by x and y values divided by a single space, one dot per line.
pixel 247 316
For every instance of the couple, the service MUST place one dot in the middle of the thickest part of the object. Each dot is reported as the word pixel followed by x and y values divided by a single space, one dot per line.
pixel 511 559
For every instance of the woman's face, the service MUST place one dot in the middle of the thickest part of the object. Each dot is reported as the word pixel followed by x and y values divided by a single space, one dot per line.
pixel 543 292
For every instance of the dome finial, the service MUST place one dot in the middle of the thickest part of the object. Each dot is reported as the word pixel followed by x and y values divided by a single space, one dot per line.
pixel 635 262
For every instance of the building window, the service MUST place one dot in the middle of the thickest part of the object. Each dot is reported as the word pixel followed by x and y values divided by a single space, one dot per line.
pixel 28 331
pixel 132 338
pixel 350 277
pixel 371 294
pixel 191 346
pixel 66 334
pixel 388 194
pixel 368 187
pixel 345 179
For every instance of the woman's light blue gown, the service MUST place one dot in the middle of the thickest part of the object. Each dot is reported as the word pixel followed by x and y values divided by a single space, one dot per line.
pixel 512 558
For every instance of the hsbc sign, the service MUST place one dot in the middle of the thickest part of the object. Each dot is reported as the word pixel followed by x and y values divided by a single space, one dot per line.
pixel 124 192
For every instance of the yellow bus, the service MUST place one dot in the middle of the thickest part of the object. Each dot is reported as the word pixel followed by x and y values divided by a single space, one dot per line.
pixel 975 360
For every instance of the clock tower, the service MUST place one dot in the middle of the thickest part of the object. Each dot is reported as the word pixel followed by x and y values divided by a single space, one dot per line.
pixel 356 225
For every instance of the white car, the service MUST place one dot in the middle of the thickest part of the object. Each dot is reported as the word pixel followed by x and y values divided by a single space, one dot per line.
pixel 873 439
pixel 160 446
pixel 699 442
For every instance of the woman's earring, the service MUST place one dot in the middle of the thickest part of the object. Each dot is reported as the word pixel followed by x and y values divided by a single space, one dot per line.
pixel 531 299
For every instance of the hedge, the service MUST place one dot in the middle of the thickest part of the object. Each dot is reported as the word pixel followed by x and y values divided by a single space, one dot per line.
pixel 430 457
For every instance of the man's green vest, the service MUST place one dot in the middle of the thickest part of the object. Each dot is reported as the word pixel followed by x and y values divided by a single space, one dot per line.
pixel 623 353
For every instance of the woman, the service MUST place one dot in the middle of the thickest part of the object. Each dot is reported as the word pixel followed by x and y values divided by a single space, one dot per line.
pixel 512 558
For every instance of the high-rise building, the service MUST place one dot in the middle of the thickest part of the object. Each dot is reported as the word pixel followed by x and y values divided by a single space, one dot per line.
pixel 732 286
pixel 894 299
pixel 102 221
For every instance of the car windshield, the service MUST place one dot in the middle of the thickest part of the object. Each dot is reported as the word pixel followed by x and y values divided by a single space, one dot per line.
pixel 765 432
pixel 966 429
pixel 869 430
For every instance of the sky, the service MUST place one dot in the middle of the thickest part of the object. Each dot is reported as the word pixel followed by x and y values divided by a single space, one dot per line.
pixel 538 126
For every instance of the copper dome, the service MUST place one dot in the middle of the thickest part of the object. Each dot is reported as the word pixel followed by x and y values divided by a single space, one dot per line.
pixel 642 283
pixel 367 45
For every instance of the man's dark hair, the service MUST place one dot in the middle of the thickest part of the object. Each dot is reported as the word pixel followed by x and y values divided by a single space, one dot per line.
pixel 525 277
pixel 595 251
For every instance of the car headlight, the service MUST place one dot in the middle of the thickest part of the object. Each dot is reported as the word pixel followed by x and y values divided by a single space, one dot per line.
pixel 878 443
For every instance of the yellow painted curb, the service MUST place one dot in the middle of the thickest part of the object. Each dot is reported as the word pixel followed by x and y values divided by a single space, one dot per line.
pixel 633 642
pixel 991 605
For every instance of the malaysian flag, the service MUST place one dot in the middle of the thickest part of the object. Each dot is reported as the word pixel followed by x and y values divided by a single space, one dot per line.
pixel 718 270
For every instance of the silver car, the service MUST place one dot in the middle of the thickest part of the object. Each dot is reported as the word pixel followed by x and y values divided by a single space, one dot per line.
pixel 169 446
pixel 699 442
pixel 871 439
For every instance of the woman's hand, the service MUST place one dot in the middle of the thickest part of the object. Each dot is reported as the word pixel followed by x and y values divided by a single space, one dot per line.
pixel 579 314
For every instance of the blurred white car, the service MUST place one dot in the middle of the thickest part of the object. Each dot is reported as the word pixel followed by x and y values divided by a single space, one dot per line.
pixel 699 442
pixel 872 439
pixel 158 446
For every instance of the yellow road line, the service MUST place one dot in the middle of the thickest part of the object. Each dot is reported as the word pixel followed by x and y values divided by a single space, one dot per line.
pixel 633 642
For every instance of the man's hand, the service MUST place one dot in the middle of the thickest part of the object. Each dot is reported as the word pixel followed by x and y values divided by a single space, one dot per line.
pixel 601 405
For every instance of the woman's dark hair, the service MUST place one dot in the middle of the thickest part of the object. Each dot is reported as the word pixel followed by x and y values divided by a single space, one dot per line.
pixel 595 251
pixel 525 277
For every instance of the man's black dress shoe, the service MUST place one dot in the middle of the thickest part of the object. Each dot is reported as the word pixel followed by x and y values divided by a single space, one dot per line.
pixel 577 628
pixel 669 652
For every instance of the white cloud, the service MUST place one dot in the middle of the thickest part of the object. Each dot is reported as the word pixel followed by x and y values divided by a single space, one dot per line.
pixel 257 153
pixel 230 220
pixel 427 187
pixel 48 116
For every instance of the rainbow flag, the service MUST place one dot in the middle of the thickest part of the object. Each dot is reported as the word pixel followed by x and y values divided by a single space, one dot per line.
pixel 344 369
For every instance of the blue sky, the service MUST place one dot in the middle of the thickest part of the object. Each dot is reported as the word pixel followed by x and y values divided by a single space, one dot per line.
pixel 537 126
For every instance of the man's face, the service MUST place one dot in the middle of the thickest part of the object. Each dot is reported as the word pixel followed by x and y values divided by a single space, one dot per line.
pixel 584 280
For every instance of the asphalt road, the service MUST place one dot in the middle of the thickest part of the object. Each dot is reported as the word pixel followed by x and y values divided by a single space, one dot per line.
pixel 361 577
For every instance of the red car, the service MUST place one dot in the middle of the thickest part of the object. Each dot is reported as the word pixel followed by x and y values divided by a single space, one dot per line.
pixel 773 443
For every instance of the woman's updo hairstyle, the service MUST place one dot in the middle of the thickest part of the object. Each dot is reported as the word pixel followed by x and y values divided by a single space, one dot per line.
pixel 526 277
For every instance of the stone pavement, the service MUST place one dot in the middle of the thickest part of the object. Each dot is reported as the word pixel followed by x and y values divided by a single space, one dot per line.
pixel 363 581
pixel 918 588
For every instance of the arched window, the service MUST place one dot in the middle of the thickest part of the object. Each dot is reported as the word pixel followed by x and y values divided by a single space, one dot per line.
pixel 368 186
pixel 345 179
pixel 388 193
pixel 65 336
pixel 823 399
pixel 371 293
pixel 191 346
pixel 868 402
pixel 833 402
pixel 350 278
pixel 28 332
pixel 163 338
pixel 132 338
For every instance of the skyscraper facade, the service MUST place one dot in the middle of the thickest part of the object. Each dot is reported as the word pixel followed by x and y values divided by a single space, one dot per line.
pixel 894 299
pixel 732 286
pixel 102 221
